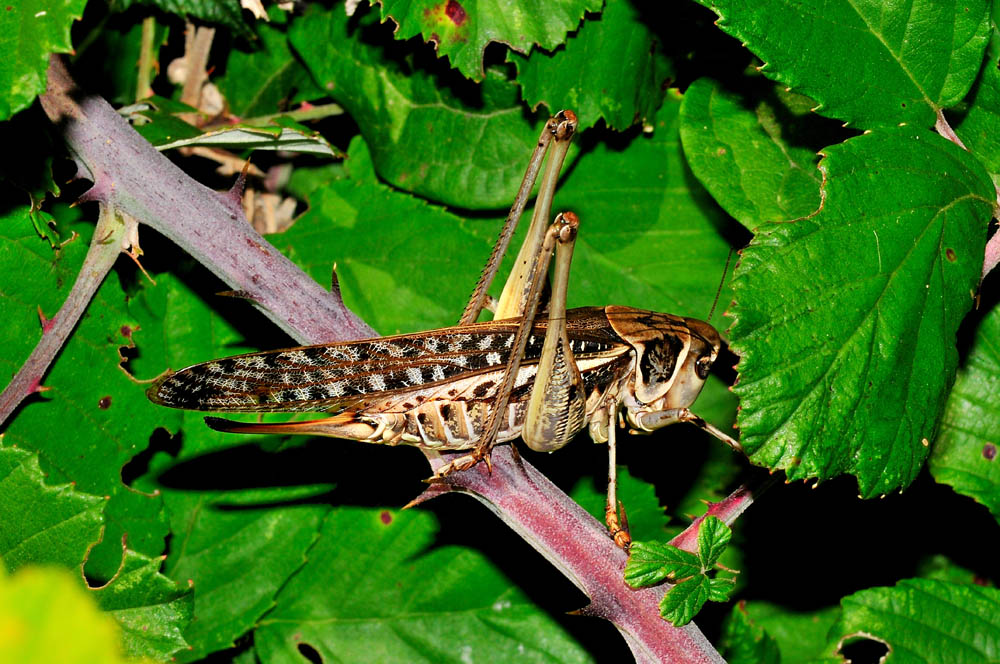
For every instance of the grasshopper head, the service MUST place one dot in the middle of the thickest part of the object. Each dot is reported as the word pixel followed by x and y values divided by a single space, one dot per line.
pixel 702 349
pixel 673 357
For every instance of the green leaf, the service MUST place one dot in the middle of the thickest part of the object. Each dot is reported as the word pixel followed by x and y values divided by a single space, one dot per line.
pixel 683 601
pixel 107 59
pixel 109 415
pixel 577 75
pixel 228 14
pixel 403 265
pixel 164 129
pixel 965 452
pixel 461 31
pixel 378 588
pixel 978 123
pixel 273 137
pixel 266 79
pixel 152 609
pixel 745 642
pixel 236 547
pixel 800 636
pixel 741 148
pixel 482 137
pixel 719 589
pixel 646 517
pixel 227 546
pixel 713 538
pixel 650 236
pixel 650 563
pixel 846 369
pixel 47 617
pixel 31 31
pixel 921 620
pixel 904 62
pixel 41 523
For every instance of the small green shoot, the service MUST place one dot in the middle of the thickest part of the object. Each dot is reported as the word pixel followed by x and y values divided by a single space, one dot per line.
pixel 650 563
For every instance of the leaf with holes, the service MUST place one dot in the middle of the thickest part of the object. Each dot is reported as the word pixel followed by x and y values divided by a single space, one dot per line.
pixel 461 30
pixel 481 136
pixel 846 369
pixel 923 620
pixel 109 415
pixel 395 600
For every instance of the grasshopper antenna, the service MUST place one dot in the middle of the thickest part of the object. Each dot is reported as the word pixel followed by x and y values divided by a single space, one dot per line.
pixel 722 283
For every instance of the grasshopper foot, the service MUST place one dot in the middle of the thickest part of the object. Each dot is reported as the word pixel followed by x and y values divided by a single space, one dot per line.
pixel 463 462
pixel 618 529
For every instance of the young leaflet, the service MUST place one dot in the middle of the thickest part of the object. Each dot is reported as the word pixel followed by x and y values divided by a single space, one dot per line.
pixel 476 384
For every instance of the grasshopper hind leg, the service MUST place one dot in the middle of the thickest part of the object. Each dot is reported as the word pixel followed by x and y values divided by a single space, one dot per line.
pixel 561 232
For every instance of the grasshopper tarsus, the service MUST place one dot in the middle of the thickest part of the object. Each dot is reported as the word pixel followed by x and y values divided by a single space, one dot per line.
pixel 618 529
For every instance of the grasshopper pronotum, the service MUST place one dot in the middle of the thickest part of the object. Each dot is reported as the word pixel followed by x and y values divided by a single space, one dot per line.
pixel 473 385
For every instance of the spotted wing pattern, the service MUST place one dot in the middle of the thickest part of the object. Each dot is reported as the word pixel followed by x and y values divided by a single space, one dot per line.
pixel 335 377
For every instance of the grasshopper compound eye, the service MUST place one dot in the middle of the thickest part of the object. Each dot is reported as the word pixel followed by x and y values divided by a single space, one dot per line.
pixel 703 365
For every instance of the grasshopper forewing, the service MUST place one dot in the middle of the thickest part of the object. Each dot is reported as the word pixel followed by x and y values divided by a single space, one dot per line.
pixel 541 377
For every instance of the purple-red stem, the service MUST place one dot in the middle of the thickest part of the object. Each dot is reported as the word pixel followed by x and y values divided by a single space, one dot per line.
pixel 130 175
pixel 992 255
pixel 104 249
pixel 579 547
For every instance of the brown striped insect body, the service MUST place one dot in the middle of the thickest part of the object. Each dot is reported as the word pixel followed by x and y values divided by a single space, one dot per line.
pixel 542 377
pixel 435 389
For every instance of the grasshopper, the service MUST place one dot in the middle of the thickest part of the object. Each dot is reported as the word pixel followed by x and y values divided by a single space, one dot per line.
pixel 539 376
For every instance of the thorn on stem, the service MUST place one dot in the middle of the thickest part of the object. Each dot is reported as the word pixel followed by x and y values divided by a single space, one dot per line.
pixel 47 323
pixel 37 387
pixel 335 282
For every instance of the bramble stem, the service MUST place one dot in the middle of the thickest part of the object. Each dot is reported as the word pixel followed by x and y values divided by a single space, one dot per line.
pixel 130 174
pixel 104 249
